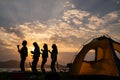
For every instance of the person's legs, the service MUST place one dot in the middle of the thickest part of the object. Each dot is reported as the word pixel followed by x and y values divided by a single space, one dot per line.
pixel 53 66
pixel 42 65
pixel 36 61
pixel 54 69
pixel 22 62
pixel 34 65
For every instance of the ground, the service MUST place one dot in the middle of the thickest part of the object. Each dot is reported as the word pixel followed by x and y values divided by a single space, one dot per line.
pixel 52 76
pixel 30 76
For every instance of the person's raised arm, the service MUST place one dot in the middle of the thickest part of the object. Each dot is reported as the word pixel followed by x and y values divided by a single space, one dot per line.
pixel 18 48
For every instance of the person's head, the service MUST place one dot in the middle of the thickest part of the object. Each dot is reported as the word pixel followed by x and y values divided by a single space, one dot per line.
pixel 35 44
pixel 45 46
pixel 54 46
pixel 24 43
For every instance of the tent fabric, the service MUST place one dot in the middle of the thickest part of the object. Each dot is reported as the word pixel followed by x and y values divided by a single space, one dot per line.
pixel 106 61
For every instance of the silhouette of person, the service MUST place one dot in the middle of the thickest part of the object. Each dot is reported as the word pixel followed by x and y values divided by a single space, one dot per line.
pixel 54 53
pixel 44 57
pixel 23 54
pixel 36 55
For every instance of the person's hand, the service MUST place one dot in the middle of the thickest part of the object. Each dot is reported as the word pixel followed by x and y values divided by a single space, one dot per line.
pixel 41 49
pixel 17 46
pixel 48 50
pixel 32 52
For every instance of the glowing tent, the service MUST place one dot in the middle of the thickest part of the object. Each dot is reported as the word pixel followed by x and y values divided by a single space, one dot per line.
pixel 105 62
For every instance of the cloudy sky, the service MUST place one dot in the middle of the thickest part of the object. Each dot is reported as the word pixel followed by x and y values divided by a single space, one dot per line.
pixel 67 23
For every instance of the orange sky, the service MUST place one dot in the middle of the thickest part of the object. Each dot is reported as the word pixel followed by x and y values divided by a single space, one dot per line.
pixel 68 24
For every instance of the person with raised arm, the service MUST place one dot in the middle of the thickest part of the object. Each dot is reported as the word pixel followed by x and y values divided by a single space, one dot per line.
pixel 44 57
pixel 23 54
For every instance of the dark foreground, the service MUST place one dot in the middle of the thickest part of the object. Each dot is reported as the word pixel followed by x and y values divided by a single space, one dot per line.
pixel 51 76
pixel 31 76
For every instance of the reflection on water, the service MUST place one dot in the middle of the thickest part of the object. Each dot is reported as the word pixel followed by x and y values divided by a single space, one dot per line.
pixel 18 69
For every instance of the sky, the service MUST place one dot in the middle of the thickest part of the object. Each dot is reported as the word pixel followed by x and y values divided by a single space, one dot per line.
pixel 67 23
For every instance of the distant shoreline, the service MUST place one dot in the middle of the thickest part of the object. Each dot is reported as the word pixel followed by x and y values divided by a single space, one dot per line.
pixel 15 64
pixel 18 69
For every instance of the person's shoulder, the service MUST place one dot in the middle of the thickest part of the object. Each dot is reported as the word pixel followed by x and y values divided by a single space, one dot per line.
pixel 25 47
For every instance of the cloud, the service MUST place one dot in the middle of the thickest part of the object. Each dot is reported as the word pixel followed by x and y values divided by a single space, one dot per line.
pixel 20 12
pixel 8 43
pixel 95 22
pixel 8 38
pixel 69 31
pixel 74 15
pixel 81 26
pixel 112 17
pixel 96 7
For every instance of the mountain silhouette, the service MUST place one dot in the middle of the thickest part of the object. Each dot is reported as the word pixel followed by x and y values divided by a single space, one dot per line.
pixel 11 64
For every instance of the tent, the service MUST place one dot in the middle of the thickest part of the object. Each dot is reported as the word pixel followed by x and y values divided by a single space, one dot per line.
pixel 105 62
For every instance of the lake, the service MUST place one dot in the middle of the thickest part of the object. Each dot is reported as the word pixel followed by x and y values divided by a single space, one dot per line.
pixel 18 69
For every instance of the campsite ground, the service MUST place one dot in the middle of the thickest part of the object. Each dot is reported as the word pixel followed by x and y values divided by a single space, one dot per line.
pixel 50 76
pixel 30 76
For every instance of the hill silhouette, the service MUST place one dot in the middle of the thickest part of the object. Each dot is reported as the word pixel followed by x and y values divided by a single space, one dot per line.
pixel 10 64
pixel 15 64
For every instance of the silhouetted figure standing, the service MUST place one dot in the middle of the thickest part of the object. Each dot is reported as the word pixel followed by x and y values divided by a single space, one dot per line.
pixel 23 54
pixel 44 57
pixel 53 57
pixel 36 55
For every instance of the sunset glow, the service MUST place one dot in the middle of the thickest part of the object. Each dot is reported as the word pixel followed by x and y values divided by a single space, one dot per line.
pixel 68 24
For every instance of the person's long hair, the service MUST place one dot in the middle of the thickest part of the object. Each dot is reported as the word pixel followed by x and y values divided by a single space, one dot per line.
pixel 45 47
pixel 55 47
